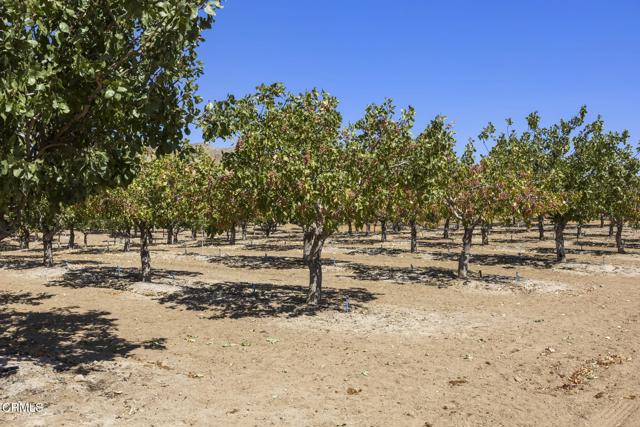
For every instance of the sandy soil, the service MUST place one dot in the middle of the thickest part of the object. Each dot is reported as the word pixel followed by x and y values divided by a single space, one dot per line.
pixel 221 338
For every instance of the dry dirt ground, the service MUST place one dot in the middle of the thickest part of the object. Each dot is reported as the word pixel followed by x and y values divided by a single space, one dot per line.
pixel 222 337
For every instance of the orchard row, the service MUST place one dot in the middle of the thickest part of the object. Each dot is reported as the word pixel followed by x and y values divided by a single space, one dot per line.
pixel 293 162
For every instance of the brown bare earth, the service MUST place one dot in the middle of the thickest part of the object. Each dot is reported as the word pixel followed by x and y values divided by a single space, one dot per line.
pixel 222 337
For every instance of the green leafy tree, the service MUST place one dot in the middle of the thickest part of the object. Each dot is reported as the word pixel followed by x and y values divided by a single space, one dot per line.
pixel 376 147
pixel 571 156
pixel 85 86
pixel 422 174
pixel 288 156
pixel 620 182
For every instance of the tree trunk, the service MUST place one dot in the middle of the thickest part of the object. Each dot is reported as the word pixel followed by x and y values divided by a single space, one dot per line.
pixel 414 236
pixel 611 228
pixel 47 245
pixel 383 227
pixel 176 233
pixel 560 224
pixel 169 235
pixel 24 238
pixel 6 228
pixel 541 227
pixel 350 229
pixel 127 241
pixel 314 241
pixel 84 238
pixel 145 256
pixel 232 235
pixel 578 231
pixel 72 238
pixel 445 234
pixel 484 231
pixel 368 230
pixel 601 220
pixel 194 234
pixel 463 261
pixel 619 241
pixel 244 230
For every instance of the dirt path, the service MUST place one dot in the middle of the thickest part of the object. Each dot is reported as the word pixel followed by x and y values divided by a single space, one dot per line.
pixel 221 338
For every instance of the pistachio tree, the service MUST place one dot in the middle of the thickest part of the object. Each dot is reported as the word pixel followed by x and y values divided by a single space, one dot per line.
pixel 380 139
pixel 422 174
pixel 570 156
pixel 498 187
pixel 85 86
pixel 470 199
pixel 288 156
pixel 619 182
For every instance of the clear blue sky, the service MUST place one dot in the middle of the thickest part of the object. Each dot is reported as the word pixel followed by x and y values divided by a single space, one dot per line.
pixel 473 61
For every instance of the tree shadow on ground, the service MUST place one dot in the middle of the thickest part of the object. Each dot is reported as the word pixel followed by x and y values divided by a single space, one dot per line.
pixel 378 251
pixel 505 260
pixel 439 244
pixel 353 240
pixel 109 277
pixel 432 276
pixel 26 298
pixel 9 246
pixel 235 300
pixel 572 251
pixel 62 338
pixel 429 276
pixel 508 241
pixel 101 250
pixel 255 262
pixel 29 262
pixel 272 247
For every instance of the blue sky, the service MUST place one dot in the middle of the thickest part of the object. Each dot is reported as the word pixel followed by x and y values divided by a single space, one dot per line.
pixel 473 61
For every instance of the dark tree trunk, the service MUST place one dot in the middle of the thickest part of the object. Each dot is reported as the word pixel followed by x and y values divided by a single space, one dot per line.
pixel 314 242
pixel 194 234
pixel 350 229
pixel 84 238
pixel 6 228
pixel 611 228
pixel 145 255
pixel 601 220
pixel 170 235
pixel 368 230
pixel 484 231
pixel 127 241
pixel 306 242
pixel 383 228
pixel 72 238
pixel 559 226
pixel 541 227
pixel 578 231
pixel 414 236
pixel 232 235
pixel 244 230
pixel 619 241
pixel 463 261
pixel 24 238
pixel 445 234
pixel 47 245
pixel 176 232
